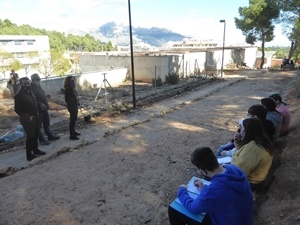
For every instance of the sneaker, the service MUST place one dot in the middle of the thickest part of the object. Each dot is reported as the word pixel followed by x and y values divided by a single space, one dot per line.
pixel 29 158
pixel 76 133
pixel 74 138
pixel 53 137
pixel 39 152
pixel 44 142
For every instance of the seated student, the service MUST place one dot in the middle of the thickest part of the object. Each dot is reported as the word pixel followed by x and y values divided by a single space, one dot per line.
pixel 255 152
pixel 281 107
pixel 227 200
pixel 273 115
pixel 260 111
pixel 229 149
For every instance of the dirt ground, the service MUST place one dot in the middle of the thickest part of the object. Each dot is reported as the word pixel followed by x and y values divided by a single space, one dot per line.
pixel 129 177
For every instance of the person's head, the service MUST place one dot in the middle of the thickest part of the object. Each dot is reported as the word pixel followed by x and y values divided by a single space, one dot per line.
pixel 204 159
pixel 36 80
pixel 69 82
pixel 12 71
pixel 277 98
pixel 25 83
pixel 258 110
pixel 254 131
pixel 269 103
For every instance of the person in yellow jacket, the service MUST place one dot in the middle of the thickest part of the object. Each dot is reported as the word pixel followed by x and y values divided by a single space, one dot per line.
pixel 255 152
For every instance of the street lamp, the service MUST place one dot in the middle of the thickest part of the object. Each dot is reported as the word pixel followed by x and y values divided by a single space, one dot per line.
pixel 132 58
pixel 223 21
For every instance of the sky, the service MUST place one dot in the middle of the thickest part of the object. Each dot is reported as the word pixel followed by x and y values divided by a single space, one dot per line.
pixel 195 18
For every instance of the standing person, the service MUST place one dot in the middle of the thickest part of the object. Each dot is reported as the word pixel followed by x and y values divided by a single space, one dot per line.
pixel 227 200
pixel 282 108
pixel 14 80
pixel 43 106
pixel 27 109
pixel 255 152
pixel 71 98
pixel 273 115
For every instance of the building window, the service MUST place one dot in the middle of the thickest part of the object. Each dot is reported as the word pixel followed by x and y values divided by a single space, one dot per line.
pixel 4 42
pixel 30 42
pixel 18 42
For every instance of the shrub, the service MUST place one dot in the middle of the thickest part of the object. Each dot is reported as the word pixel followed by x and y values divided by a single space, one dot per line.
pixel 172 78
pixel 157 82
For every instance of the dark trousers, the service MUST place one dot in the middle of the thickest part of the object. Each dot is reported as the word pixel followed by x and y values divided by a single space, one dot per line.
pixel 177 218
pixel 44 121
pixel 15 88
pixel 73 110
pixel 30 128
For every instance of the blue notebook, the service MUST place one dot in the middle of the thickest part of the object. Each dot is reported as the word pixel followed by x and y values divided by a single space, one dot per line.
pixel 193 192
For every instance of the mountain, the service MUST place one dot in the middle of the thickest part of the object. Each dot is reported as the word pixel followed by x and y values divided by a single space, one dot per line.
pixel 119 34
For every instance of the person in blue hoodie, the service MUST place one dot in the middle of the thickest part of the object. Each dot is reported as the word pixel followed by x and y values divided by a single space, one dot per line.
pixel 228 200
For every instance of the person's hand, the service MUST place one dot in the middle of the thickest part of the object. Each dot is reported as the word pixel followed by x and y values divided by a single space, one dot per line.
pixel 237 137
pixel 223 153
pixel 198 184
pixel 43 107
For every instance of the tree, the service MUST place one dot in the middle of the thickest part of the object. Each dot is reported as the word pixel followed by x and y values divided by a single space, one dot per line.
pixel 257 22
pixel 57 64
pixel 290 19
pixel 8 62
pixel 33 60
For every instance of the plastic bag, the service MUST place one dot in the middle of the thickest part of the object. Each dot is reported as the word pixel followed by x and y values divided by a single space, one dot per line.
pixel 13 135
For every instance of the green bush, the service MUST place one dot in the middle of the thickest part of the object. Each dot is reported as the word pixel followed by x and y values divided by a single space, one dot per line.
pixel 158 82
pixel 172 78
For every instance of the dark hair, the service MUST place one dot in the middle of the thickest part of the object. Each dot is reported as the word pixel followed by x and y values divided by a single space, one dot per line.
pixel 67 81
pixel 269 103
pixel 35 77
pixel 258 110
pixel 277 97
pixel 23 79
pixel 204 158
pixel 254 131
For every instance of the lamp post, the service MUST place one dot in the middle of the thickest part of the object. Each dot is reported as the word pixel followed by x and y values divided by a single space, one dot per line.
pixel 132 58
pixel 223 21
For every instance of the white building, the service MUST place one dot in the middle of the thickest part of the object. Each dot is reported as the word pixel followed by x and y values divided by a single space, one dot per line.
pixel 22 45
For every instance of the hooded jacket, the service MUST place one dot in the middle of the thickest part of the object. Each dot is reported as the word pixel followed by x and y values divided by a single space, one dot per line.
pixel 228 199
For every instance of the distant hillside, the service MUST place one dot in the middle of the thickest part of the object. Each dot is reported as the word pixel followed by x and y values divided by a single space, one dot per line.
pixel 119 34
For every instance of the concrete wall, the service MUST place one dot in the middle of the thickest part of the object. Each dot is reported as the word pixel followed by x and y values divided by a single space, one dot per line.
pixel 53 85
pixel 145 67
pixel 186 64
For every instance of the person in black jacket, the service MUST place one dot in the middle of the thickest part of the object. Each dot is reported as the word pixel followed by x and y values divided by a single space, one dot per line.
pixel 27 109
pixel 43 106
pixel 71 98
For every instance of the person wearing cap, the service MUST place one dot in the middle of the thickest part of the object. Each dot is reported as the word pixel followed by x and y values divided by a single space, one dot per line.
pixel 273 115
pixel 27 109
pixel 227 200
pixel 43 106
pixel 282 108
